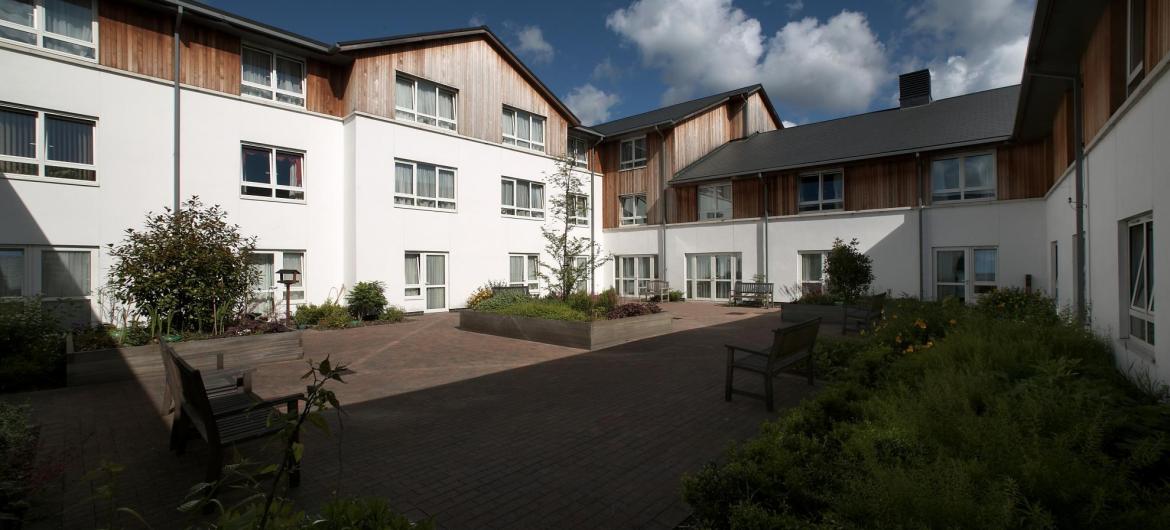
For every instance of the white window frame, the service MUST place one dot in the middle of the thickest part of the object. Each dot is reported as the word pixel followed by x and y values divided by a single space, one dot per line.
pixel 413 114
pixel 39 31
pixel 820 204
pixel 973 288
pixel 414 197
pixel 525 143
pixel 423 284
pixel 634 162
pixel 33 284
pixel 693 282
pixel 531 271
pixel 274 294
pixel 635 219
pixel 41 158
pixel 1145 313
pixel 273 81
pixel 511 210
pixel 963 190
pixel 1134 72
pixel 272 185
pixel 622 276
pixel 579 151
pixel 805 283
pixel 578 209
pixel 583 282
pixel 721 214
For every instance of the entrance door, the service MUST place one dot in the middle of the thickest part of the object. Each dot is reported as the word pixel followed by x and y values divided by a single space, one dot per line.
pixel 712 276
pixel 426 278
pixel 965 273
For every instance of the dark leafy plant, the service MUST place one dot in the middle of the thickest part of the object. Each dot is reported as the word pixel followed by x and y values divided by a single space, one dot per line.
pixel 393 314
pixel 632 310
pixel 18 444
pixel 676 296
pixel 549 308
pixel 1019 305
pixel 327 315
pixel 95 337
pixel 367 300
pixel 607 300
pixel 32 346
pixel 850 273
pixel 255 326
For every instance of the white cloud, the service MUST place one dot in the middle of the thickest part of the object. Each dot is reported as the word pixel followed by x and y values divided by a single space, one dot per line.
pixel 971 45
pixel 533 45
pixel 606 70
pixel 591 104
pixel 788 124
pixel 794 7
pixel 477 20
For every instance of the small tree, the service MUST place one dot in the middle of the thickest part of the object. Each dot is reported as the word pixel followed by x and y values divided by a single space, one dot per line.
pixel 565 270
pixel 849 272
pixel 187 269
pixel 367 300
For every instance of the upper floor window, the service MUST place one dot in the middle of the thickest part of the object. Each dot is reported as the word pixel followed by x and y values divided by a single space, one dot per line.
pixel 521 198
pixel 822 191
pixel 633 153
pixel 1135 48
pixel 66 26
pixel 523 129
pixel 424 102
pixel 715 201
pixel 633 209
pixel 272 76
pixel 43 144
pixel 261 164
pixel 963 177
pixel 579 151
pixel 578 209
pixel 1139 291
pixel 424 185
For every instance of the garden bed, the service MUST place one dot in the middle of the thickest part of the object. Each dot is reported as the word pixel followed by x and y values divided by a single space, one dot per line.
pixel 794 312
pixel 589 335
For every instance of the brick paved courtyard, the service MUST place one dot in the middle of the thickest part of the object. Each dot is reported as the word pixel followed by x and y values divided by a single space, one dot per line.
pixel 475 430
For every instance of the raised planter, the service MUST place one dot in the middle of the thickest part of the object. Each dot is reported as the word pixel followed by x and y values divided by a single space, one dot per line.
pixel 829 314
pixel 586 335
pixel 118 364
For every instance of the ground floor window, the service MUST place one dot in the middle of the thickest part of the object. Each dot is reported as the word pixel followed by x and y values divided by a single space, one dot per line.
pixel 426 278
pixel 712 276
pixel 965 273
pixel 51 272
pixel 812 271
pixel 582 263
pixel 1139 290
pixel 632 274
pixel 266 292
pixel 523 270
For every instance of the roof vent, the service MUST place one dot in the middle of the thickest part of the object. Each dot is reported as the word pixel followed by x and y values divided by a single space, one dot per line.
pixel 914 89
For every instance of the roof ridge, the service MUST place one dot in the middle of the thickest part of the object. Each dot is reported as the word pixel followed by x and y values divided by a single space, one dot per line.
pixel 656 109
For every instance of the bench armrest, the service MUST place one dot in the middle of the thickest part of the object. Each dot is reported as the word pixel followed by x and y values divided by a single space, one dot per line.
pixel 731 348
pixel 291 399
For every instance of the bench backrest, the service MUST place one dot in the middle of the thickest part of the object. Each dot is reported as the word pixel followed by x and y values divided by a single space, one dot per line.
pixel 657 286
pixel 174 386
pixel 753 288
pixel 793 340
pixel 193 398
pixel 517 289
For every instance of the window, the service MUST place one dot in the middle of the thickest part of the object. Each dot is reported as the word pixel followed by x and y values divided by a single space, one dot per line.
pixel 578 209
pixel 579 151
pixel 711 276
pixel 12 272
pixel 51 272
pixel 261 163
pixel 1140 284
pixel 822 191
pixel 521 198
pixel 424 185
pixel 65 26
pixel 266 75
pixel 523 129
pixel 1054 254
pixel 581 263
pixel 42 144
pixel 633 209
pixel 812 271
pixel 633 153
pixel 715 201
pixel 524 270
pixel 427 272
pixel 963 177
pixel 65 273
pixel 424 102
pixel 1135 49
pixel 266 292
pixel 954 279
pixel 633 274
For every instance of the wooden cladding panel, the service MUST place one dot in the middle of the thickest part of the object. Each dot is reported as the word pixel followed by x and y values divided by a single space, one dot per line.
pixel 210 59
pixel 1062 137
pixel 700 135
pixel 881 183
pixel 136 39
pixel 759 119
pixel 484 79
pixel 1103 69
pixel 1024 171
pixel 1157 32
pixel 684 204
pixel 746 199
pixel 325 88
pixel 616 183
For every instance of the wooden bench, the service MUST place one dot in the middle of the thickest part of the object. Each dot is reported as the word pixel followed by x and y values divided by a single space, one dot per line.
pixel 790 345
pixel 755 291
pixel 657 288
pixel 225 419
pixel 514 289
pixel 863 317
pixel 216 382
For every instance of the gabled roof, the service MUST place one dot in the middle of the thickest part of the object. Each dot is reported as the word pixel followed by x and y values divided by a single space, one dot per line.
pixel 672 114
pixel 247 24
pixel 480 31
pixel 982 117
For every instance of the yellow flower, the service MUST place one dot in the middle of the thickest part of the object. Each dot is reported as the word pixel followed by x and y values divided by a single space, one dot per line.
pixel 953 322
pixel 929 343
pixel 909 349
pixel 920 323
pixel 898 338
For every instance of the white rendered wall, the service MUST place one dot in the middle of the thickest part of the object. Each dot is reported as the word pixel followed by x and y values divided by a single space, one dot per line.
pixel 1060 224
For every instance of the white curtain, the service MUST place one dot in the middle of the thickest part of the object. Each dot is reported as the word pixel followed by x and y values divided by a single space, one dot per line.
pixel 265 264
pixel 257 67
pixel 69 140
pixel 533 264
pixel 538 130
pixel 18 11
pixel 403 178
pixel 294 261
pixel 522 126
pixel 507 193
pixel 18 133
pixel 11 272
pixel 64 273
pixel 426 180
pixel 71 18
pixel 644 269
pixel 508 120
pixel 426 99
pixel 446 184
pixel 523 195
pixel 289 75
pixel 446 104
pixel 537 197
pixel 515 269
pixel 412 269
pixel 288 169
pixel 404 93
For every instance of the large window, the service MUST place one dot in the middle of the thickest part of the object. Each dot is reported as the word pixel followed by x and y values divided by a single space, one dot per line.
pixel 424 185
pixel 66 26
pixel 812 271
pixel 711 276
pixel 523 129
pixel 12 272
pixel 1140 285
pixel 273 173
pixel 965 273
pixel 633 153
pixel 424 102
pixel 272 76
pixel 1135 48
pixel 426 279
pixel 633 209
pixel 963 177
pixel 51 272
pixel 633 274
pixel 43 144
pixel 524 270
pixel 578 209
pixel 822 191
pixel 521 198
pixel 715 201
pixel 579 151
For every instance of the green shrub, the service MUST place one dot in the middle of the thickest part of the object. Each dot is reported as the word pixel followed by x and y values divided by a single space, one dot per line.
pixel 328 315
pixel 675 296
pixel 92 338
pixel 393 314
pixel 521 306
pixel 1019 305
pixel 364 513
pixel 18 444
pixel 607 300
pixel 501 300
pixel 366 300
pixel 32 346
pixel 581 301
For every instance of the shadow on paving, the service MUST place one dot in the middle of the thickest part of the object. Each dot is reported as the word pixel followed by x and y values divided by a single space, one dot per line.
pixel 598 439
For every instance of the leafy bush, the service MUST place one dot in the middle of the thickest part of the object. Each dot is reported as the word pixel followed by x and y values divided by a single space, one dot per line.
pixel 32 346
pixel 521 306
pixel 255 326
pixel 849 271
pixel 607 300
pixel 326 315
pixel 393 314
pixel 1019 305
pixel 93 338
pixel 676 296
pixel 482 293
pixel 366 300
pixel 581 301
pixel 501 300
pixel 18 444
pixel 632 310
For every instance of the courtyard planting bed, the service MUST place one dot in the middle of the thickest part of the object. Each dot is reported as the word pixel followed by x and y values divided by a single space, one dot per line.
pixel 588 335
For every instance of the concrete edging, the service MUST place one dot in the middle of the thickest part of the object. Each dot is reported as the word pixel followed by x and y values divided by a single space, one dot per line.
pixel 574 334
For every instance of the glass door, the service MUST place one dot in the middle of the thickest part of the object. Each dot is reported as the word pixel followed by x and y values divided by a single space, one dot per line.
pixel 712 276
pixel 965 273
pixel 951 274
pixel 436 281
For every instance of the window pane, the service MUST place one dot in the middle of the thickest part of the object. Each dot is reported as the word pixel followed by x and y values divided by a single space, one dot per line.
pixel 256 165
pixel 833 187
pixel 436 270
pixel 446 104
pixel 18 133
pixel 446 184
pixel 978 172
pixel 427 103
pixel 294 261
pixel 1137 277
pixel 985 265
pixel 944 174
pixel 71 18
pixel 533 265
pixel 264 263
pixel 69 140
pixel 1137 39
pixel 1150 268
pixel 644 268
pixel 507 193
pixel 523 195
pixel 426 180
pixel 11 272
pixel 290 75
pixel 950 266
pixel 810 188
pixel 537 196
pixel 64 273
pixel 257 67
pixel 538 130
pixel 403 178
pixel 404 93
pixel 951 291
pixel 436 298
pixel 640 148
pixel 253 91
pixel 508 123
pixel 412 263
pixel 26 37
pixel 516 269
pixel 289 169
pixel 811 269
pixel 640 206
pixel 18 11
pixel 522 126
pixel 627 151
pixel 627 206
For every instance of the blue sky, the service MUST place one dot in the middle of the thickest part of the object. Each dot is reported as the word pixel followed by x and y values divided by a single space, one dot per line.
pixel 608 59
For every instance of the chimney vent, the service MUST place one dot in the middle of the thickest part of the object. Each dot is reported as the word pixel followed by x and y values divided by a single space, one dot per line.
pixel 914 89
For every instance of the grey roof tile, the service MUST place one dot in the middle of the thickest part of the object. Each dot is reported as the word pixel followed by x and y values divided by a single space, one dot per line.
pixel 669 113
